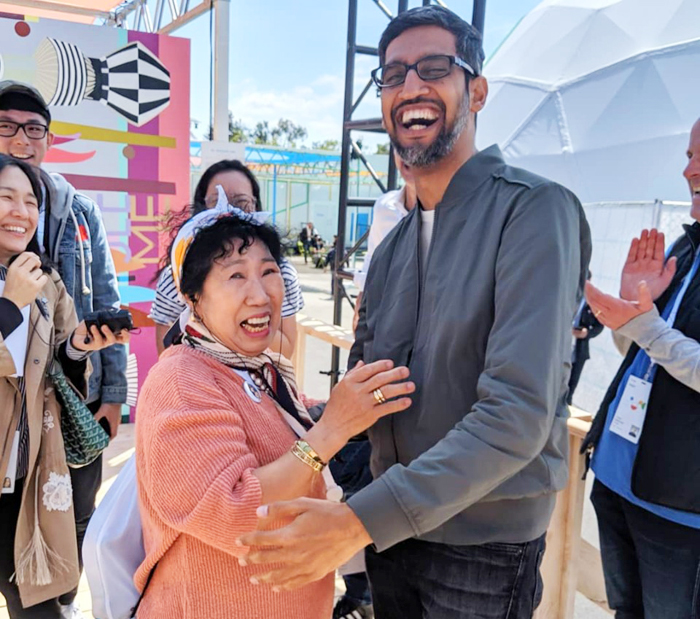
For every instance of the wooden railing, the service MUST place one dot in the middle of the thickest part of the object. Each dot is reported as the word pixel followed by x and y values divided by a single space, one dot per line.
pixel 570 563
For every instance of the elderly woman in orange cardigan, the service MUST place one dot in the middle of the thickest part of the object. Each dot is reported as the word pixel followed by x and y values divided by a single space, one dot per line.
pixel 221 430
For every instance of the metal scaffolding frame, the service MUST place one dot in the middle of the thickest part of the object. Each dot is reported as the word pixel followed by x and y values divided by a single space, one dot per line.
pixel 350 149
pixel 137 15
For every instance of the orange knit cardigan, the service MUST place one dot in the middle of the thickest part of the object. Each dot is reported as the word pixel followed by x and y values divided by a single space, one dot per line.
pixel 198 439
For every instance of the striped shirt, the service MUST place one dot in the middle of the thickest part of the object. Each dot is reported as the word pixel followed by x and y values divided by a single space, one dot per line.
pixel 168 306
pixel 23 427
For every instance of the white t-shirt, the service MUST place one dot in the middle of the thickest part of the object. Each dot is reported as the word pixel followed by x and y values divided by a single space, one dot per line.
pixel 16 342
pixel 427 219
pixel 388 210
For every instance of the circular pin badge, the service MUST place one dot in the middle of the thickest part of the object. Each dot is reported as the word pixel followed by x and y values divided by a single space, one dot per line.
pixel 252 391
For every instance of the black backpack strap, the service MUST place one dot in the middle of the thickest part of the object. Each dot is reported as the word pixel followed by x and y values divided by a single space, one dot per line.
pixel 135 609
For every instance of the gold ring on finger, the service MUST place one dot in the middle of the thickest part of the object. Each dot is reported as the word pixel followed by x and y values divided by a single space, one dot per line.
pixel 379 396
pixel 598 313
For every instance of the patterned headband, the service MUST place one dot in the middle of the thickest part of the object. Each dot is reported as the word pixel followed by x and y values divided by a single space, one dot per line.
pixel 191 228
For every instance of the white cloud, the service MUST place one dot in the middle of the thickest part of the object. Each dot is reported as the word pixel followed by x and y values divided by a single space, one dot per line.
pixel 317 106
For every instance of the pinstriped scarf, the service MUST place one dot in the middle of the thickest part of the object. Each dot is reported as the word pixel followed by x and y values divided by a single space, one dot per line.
pixel 276 372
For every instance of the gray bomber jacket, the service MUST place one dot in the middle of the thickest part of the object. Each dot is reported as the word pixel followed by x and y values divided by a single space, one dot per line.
pixel 481 452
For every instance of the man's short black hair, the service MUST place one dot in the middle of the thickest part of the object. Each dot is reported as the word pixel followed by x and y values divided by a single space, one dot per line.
pixel 468 41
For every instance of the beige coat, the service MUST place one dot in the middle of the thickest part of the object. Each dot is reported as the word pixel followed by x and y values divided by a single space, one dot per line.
pixel 46 556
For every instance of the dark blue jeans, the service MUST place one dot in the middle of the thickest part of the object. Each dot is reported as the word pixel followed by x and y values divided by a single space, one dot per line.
pixel 425 580
pixel 651 565
pixel 350 470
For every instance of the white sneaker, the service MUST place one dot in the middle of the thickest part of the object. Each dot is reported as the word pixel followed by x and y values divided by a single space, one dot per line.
pixel 71 611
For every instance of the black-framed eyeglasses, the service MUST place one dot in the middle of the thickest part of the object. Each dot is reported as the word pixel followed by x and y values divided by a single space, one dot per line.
pixel 428 69
pixel 34 131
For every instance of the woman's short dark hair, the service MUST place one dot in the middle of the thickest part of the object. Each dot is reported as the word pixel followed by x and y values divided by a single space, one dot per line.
pixel 219 241
pixel 226 165
pixel 468 40
pixel 36 179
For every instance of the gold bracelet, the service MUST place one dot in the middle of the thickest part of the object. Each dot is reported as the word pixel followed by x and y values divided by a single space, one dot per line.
pixel 309 451
pixel 305 453
pixel 306 459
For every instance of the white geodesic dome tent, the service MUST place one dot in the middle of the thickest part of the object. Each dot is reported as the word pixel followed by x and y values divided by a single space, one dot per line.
pixel 600 95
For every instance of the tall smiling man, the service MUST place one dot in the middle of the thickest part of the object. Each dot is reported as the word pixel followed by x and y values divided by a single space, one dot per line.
pixel 475 291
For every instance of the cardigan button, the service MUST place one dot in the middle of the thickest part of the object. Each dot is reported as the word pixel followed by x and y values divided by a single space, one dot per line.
pixel 36 362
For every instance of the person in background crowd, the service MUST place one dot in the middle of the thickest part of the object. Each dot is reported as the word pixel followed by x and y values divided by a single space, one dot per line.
pixel 75 240
pixel 306 236
pixel 243 191
pixel 585 328
pixel 646 433
pixel 475 289
pixel 38 546
pixel 221 429
pixel 388 210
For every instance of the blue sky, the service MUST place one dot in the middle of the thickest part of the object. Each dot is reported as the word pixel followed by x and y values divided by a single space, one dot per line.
pixel 288 58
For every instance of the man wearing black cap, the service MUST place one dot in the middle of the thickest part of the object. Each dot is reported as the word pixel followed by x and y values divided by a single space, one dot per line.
pixel 74 237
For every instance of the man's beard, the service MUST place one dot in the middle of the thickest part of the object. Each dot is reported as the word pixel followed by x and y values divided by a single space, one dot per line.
pixel 425 156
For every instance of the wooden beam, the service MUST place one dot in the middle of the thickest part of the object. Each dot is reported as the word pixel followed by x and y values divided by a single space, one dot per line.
pixel 333 334
pixel 299 357
pixel 560 563
pixel 185 18
pixel 590 575
pixel 60 8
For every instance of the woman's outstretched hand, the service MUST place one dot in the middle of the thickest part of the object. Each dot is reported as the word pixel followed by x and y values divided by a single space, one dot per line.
pixel 366 393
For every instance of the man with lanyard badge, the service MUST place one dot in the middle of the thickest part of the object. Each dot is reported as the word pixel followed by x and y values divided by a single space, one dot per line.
pixel 647 430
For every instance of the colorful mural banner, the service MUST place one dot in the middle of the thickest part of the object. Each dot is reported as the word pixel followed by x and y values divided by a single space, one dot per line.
pixel 120 104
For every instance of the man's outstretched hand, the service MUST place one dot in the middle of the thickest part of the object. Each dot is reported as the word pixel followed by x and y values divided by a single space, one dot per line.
pixel 614 313
pixel 645 262
pixel 322 536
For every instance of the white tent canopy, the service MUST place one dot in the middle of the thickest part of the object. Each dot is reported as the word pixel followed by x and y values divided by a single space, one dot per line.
pixel 599 95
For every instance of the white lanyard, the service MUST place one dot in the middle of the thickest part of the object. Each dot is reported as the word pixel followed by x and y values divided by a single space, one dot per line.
pixel 671 319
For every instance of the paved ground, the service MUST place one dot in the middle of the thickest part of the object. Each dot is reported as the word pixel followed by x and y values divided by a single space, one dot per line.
pixel 316 287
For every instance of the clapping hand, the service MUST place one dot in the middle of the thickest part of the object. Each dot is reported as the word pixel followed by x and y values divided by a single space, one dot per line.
pixel 645 262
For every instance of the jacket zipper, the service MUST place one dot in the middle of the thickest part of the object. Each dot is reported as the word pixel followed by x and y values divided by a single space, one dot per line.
pixel 420 270
pixel 419 305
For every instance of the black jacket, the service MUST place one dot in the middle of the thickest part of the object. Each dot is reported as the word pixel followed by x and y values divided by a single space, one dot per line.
pixel 586 320
pixel 667 469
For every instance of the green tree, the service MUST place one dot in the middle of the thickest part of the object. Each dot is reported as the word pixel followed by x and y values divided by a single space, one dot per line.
pixel 287 133
pixel 261 133
pixel 326 145
pixel 237 131
pixel 383 149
